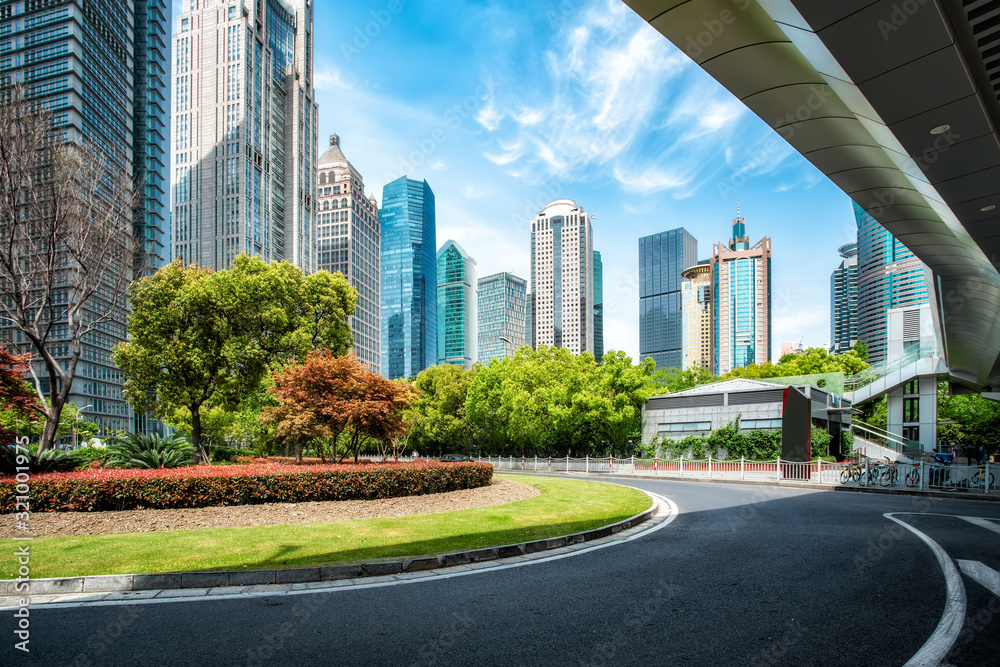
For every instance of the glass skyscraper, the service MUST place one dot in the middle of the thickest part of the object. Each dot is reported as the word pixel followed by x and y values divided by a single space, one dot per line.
pixel 889 276
pixel 844 301
pixel 662 259
pixel 598 307
pixel 456 305
pixel 100 69
pixel 741 301
pixel 409 278
pixel 245 133
pixel 502 299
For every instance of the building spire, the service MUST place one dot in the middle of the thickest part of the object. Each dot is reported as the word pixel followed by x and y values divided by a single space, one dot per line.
pixel 737 208
pixel 334 140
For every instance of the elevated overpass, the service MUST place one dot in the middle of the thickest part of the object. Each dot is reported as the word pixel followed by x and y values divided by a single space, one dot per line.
pixel 897 103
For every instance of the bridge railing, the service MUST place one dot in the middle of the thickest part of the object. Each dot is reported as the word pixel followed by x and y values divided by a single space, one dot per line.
pixel 879 371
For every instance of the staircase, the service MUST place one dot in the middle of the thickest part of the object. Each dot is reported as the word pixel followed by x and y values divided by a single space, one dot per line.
pixel 883 378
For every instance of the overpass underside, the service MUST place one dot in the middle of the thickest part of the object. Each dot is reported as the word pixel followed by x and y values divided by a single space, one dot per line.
pixel 896 102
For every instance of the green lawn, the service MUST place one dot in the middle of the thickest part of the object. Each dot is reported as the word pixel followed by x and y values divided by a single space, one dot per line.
pixel 564 506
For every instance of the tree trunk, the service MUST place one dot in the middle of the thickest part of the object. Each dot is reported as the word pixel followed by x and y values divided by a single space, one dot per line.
pixel 287 446
pixel 196 432
pixel 298 451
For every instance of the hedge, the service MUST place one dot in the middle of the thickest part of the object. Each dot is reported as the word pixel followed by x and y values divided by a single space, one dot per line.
pixel 215 486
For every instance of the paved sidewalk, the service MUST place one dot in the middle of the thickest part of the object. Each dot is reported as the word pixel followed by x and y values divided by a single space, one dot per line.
pixel 447 565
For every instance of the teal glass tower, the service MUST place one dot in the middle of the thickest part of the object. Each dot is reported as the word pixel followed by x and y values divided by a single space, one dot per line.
pixel 662 259
pixel 598 307
pixel 844 300
pixel 502 306
pixel 409 278
pixel 456 306
pixel 889 276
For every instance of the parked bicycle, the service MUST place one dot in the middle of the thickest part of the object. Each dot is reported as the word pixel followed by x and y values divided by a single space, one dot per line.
pixel 979 478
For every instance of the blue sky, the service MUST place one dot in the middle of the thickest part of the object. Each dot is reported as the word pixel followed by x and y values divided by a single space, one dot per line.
pixel 503 106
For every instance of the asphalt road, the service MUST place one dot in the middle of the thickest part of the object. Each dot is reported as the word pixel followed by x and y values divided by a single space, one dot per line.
pixel 744 576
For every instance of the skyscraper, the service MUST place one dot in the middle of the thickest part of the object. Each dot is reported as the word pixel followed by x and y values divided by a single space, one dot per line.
pixel 456 305
pixel 889 276
pixel 98 69
pixel 409 278
pixel 598 307
pixel 662 259
pixel 696 316
pixel 502 300
pixel 844 301
pixel 245 133
pixel 529 330
pixel 562 277
pixel 349 240
pixel 741 301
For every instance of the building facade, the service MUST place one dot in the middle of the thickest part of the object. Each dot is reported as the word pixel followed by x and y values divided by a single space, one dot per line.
pixel 457 338
pixel 99 68
pixel 889 276
pixel 349 241
pixel 598 307
pixel 662 260
pixel 502 299
pixel 562 277
pixel 844 301
pixel 528 329
pixel 409 278
pixel 245 133
pixel 696 316
pixel 741 301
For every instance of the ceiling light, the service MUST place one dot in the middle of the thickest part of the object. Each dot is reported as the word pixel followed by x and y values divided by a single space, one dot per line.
pixel 990 207
pixel 940 129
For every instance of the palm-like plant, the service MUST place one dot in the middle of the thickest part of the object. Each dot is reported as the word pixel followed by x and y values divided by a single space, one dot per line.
pixel 51 460
pixel 136 450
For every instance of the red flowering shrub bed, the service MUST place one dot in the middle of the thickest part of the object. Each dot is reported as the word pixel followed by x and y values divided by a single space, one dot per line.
pixel 213 486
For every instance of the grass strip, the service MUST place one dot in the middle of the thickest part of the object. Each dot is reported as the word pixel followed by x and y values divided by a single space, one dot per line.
pixel 564 506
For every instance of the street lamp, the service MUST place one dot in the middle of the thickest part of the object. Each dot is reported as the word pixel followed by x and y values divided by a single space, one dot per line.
pixel 505 340
pixel 78 413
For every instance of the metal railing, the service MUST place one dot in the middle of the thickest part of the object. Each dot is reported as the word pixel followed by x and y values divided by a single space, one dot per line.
pixel 886 439
pixel 923 475
pixel 874 373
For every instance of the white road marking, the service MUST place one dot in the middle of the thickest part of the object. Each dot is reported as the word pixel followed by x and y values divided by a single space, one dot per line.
pixel 984 574
pixel 934 650
pixel 983 523
pixel 202 596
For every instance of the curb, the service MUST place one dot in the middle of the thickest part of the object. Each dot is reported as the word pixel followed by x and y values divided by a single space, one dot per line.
pixel 121 583
pixel 991 497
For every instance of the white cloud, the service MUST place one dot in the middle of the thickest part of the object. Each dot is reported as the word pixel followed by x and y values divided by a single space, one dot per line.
pixel 472 192
pixel 437 165
pixel 328 77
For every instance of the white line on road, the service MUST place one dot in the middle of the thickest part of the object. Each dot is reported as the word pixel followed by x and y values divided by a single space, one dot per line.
pixel 932 653
pixel 983 523
pixel 984 574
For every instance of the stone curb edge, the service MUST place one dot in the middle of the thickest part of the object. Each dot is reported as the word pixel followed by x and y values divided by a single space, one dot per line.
pixel 961 495
pixel 119 583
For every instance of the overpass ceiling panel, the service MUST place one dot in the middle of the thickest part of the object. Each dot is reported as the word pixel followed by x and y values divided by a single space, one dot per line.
pixel 917 215
pixel 822 133
pixel 903 92
pixel 822 13
pixel 970 212
pixel 986 226
pixel 864 178
pixel 790 105
pixel 886 198
pixel 839 158
pixel 650 9
pixel 882 37
pixel 971 187
pixel 966 118
pixel 753 69
pixel 935 243
pixel 904 227
pixel 706 29
pixel 946 162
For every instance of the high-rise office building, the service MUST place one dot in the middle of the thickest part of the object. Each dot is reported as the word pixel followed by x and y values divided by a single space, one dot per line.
pixel 889 276
pixel 741 301
pixel 844 301
pixel 696 316
pixel 245 132
pixel 562 277
pixel 502 298
pixel 457 338
pixel 349 241
pixel 409 278
pixel 98 69
pixel 662 259
pixel 598 307
pixel 528 329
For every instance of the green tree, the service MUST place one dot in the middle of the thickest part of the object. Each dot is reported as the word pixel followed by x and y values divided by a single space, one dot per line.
pixel 437 418
pixel 198 338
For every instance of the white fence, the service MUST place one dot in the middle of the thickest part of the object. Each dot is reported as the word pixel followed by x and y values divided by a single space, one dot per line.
pixel 867 472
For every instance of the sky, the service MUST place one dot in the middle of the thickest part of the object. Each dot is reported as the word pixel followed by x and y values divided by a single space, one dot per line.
pixel 503 106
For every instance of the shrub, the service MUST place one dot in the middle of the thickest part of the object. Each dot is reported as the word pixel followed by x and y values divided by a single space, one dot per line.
pixel 88 455
pixel 215 486
pixel 226 454
pixel 136 450
pixel 51 460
